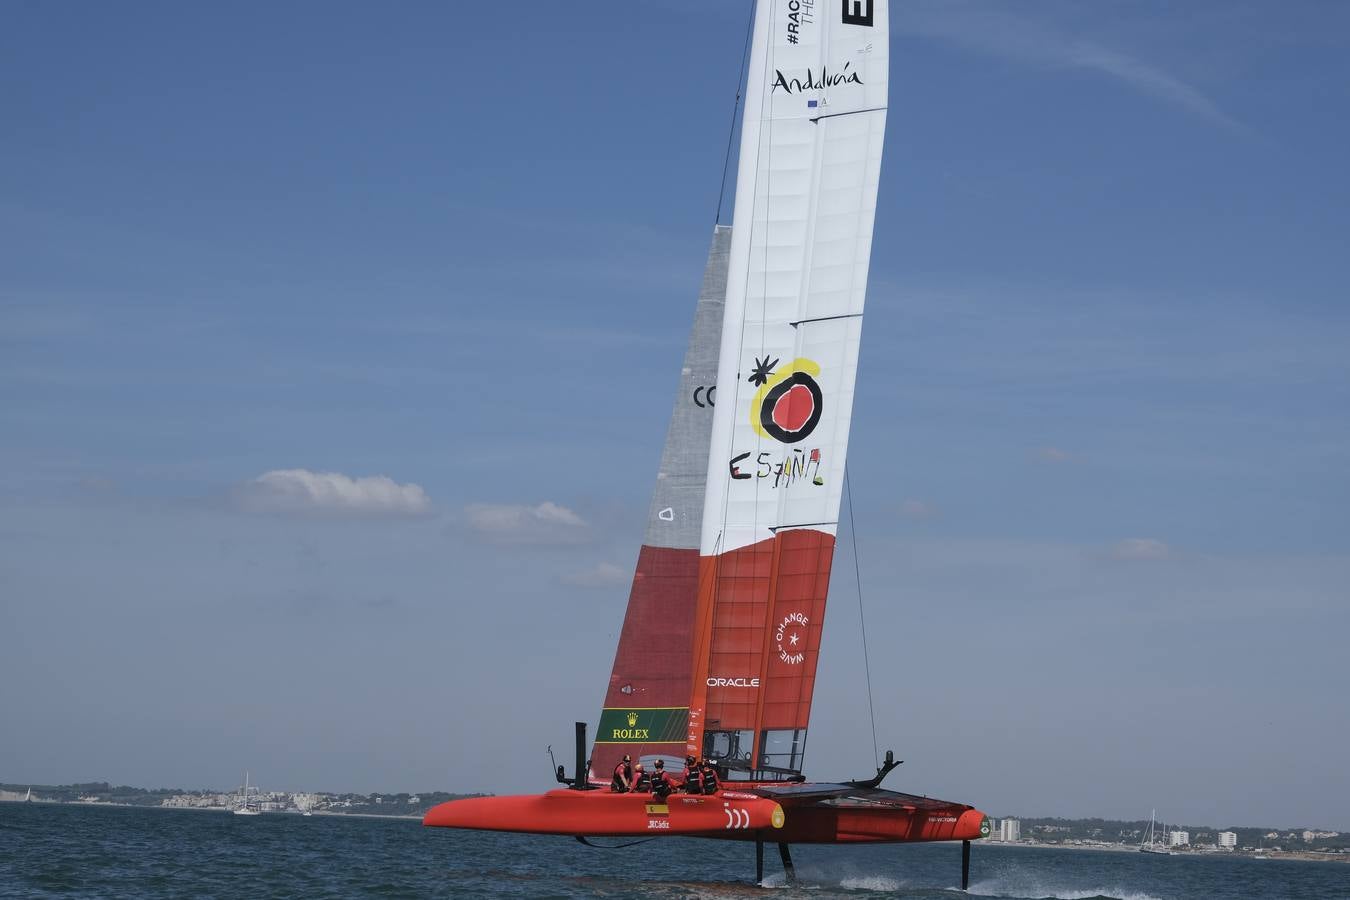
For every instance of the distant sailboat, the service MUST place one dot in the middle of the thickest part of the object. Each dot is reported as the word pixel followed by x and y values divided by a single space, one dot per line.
pixel 244 808
pixel 1149 844
pixel 28 798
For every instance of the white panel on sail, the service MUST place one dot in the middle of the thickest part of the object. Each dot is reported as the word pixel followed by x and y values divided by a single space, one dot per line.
pixel 810 159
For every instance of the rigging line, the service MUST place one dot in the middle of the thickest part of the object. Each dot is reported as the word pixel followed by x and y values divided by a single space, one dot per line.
pixel 867 665
pixel 749 230
pixel 735 108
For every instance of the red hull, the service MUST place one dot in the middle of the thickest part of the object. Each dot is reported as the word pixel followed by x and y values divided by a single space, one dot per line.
pixel 732 815
pixel 871 825
pixel 605 814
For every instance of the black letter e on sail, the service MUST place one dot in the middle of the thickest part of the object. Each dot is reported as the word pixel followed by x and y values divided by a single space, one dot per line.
pixel 858 12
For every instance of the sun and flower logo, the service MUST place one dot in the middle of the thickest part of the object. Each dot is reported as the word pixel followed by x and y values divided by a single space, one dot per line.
pixel 786 408
pixel 788 404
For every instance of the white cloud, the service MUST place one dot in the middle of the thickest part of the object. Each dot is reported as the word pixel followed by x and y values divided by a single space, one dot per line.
pixel 1022 40
pixel 302 492
pixel 1140 548
pixel 545 523
pixel 602 575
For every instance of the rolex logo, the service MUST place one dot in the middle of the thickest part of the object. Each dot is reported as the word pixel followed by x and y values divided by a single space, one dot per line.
pixel 634 723
pixel 632 732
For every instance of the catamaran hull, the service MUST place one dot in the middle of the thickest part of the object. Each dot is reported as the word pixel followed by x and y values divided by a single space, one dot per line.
pixel 825 825
pixel 729 815
pixel 605 814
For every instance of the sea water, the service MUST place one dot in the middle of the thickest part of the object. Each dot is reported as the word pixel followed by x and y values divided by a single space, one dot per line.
pixel 73 851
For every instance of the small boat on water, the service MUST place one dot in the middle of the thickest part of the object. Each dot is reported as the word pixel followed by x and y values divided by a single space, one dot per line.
pixel 246 807
pixel 1150 844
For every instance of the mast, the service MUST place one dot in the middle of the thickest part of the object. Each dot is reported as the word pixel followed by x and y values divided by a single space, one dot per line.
pixel 810 155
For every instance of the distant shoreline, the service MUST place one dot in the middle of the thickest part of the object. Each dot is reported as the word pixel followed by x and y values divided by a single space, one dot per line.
pixel 1296 855
pixel 212 809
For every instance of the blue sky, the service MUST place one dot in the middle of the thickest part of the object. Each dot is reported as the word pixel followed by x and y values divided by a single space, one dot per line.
pixel 1100 441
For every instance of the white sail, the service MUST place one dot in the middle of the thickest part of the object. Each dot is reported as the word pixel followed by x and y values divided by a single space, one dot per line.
pixel 806 190
pixel 810 157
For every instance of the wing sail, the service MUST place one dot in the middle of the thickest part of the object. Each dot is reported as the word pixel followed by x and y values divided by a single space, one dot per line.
pixel 810 158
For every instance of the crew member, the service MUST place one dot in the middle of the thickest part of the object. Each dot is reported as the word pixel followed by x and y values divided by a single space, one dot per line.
pixel 623 776
pixel 709 774
pixel 690 778
pixel 662 784
pixel 642 782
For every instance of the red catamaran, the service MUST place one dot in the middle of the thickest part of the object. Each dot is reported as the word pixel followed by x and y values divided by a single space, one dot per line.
pixel 718 653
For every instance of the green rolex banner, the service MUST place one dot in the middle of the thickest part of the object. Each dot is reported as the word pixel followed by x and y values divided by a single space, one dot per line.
pixel 664 725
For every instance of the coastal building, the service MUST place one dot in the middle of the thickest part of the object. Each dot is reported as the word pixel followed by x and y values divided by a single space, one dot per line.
pixel 1009 830
pixel 1178 838
pixel 1227 840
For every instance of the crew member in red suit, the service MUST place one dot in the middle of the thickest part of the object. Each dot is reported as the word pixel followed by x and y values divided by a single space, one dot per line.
pixel 662 784
pixel 709 777
pixel 642 782
pixel 690 779
pixel 623 776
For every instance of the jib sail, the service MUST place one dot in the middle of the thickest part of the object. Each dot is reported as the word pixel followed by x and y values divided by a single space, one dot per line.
pixel 647 702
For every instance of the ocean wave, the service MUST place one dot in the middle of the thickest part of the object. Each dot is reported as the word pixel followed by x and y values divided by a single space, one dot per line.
pixel 1030 889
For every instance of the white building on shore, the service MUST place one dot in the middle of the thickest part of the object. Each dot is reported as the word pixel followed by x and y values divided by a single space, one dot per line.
pixel 1009 830
pixel 1178 838
pixel 1227 840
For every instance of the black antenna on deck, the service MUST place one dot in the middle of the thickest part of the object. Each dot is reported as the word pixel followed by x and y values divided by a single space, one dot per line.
pixel 580 782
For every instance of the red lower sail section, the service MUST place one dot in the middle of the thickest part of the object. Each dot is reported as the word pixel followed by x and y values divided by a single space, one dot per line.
pixel 732 815
pixel 757 642
pixel 652 665
pixel 604 814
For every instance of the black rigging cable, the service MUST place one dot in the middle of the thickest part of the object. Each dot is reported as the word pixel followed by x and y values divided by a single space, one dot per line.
pixel 867 665
pixel 735 108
